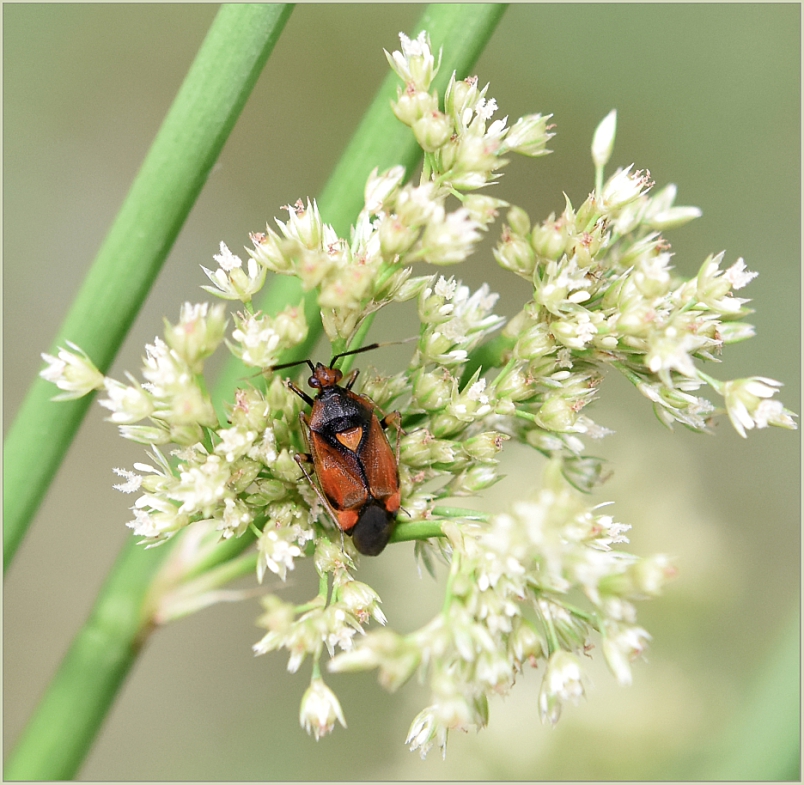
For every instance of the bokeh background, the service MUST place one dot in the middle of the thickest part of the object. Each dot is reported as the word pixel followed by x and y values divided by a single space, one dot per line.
pixel 708 97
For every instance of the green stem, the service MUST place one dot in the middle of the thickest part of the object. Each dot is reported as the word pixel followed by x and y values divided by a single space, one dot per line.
pixel 461 512
pixel 552 636
pixel 195 595
pixel 61 731
pixel 64 724
pixel 59 735
pixel 165 189
pixel 715 384
pixel 416 530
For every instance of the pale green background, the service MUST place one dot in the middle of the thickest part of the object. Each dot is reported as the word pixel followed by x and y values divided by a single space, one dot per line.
pixel 708 98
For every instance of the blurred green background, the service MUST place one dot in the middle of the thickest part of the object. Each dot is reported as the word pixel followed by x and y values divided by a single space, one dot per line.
pixel 708 97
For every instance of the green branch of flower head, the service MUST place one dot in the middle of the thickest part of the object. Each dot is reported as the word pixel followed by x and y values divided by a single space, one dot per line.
pixel 191 596
pixel 161 196
pixel 64 724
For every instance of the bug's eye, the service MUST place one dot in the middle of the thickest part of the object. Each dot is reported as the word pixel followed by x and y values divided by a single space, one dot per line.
pixel 313 382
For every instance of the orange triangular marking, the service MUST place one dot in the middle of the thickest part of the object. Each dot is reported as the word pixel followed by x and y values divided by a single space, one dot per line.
pixel 351 438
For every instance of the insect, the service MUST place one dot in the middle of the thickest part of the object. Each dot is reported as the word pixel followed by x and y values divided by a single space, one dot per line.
pixel 356 469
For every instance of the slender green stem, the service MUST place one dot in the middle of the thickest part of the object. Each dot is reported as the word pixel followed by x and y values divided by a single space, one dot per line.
pixel 65 723
pixel 61 731
pixel 599 180
pixel 552 636
pixel 165 189
pixel 195 595
pixel 461 512
pixel 416 530
pixel 715 384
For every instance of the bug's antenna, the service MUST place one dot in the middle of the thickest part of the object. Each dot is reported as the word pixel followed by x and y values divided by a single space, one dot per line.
pixel 369 348
pixel 282 366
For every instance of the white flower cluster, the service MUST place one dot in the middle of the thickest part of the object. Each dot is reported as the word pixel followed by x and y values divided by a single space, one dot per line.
pixel 601 292
pixel 604 294
pixel 506 607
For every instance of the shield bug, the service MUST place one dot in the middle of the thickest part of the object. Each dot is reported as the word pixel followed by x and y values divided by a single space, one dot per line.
pixel 352 459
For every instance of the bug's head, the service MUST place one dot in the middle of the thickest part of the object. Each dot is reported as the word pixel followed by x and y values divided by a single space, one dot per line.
pixel 373 530
pixel 323 377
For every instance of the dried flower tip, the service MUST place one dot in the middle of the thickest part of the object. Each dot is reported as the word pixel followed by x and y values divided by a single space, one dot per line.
pixel 623 188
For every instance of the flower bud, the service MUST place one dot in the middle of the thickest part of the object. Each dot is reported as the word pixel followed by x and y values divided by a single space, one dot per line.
pixel 528 136
pixel 128 403
pixel 415 63
pixel 603 140
pixel 535 342
pixel 471 481
pixel 72 372
pixel 432 131
pixel 304 224
pixel 396 237
pixel 484 209
pixel 549 239
pixel 274 252
pixel 733 332
pixel 146 434
pixel 485 446
pixel 748 404
pixel 265 492
pixel 461 95
pixel 319 709
pixel 673 218
pixel 291 326
pixel 286 467
pixel 513 252
pixel 624 187
pixel 561 682
pixel 557 414
pixel 361 600
pixel 525 643
pixel 412 105
pixel 198 333
pixel 380 187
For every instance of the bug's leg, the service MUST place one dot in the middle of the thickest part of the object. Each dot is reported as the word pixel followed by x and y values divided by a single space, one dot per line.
pixel 350 379
pixel 305 458
pixel 303 395
pixel 395 419
pixel 302 459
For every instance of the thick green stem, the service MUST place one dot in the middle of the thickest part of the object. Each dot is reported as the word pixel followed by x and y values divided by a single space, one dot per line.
pixel 61 731
pixel 165 189
pixel 63 727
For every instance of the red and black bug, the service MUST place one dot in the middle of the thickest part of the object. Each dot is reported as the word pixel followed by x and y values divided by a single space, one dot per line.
pixel 357 471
